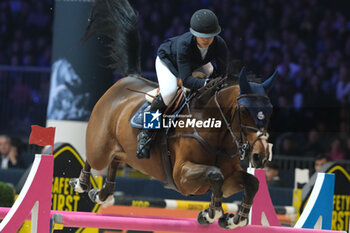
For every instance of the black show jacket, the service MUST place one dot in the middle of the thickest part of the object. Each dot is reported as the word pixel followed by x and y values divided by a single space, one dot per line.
pixel 182 57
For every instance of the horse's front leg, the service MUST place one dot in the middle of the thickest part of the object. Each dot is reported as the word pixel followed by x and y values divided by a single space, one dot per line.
pixel 197 179
pixel 233 184
pixel 215 211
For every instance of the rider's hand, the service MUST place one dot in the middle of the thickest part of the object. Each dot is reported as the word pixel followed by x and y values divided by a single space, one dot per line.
pixel 209 83
pixel 213 82
pixel 13 154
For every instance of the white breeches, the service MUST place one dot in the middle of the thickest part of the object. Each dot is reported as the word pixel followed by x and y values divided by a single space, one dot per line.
pixel 168 81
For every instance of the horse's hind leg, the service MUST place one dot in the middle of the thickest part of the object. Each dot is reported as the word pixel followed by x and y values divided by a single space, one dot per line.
pixel 232 185
pixel 83 183
pixel 105 195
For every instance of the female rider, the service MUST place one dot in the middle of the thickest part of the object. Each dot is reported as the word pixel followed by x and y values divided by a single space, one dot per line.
pixel 179 57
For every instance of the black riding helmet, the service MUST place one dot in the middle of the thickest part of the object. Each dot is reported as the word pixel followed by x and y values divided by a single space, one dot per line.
pixel 204 23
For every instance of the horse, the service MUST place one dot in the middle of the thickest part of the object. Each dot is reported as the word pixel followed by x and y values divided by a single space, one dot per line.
pixel 201 159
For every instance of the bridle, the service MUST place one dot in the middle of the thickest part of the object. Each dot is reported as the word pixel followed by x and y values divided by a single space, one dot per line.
pixel 242 143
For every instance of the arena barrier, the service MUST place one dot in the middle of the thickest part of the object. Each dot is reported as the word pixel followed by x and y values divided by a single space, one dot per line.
pixel 187 205
pixel 105 221
pixel 40 178
pixel 287 215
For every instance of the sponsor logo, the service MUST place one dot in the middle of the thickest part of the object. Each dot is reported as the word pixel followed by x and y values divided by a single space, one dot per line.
pixel 191 123
pixel 151 120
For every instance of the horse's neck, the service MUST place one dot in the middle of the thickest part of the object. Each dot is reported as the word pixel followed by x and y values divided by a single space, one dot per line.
pixel 227 100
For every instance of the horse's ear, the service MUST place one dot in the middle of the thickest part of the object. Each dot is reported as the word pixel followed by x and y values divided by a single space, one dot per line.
pixel 268 84
pixel 243 82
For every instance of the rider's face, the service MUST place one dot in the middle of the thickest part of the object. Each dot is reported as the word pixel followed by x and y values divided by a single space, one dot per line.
pixel 204 42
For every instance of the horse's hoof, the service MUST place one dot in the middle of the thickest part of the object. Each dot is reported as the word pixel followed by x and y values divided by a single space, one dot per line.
pixel 93 194
pixel 227 222
pixel 205 219
pixel 78 186
pixel 109 201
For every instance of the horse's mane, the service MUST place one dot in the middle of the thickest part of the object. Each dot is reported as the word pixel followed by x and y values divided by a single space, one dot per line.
pixel 115 22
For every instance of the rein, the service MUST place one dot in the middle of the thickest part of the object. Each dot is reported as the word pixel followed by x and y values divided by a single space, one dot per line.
pixel 141 92
pixel 195 134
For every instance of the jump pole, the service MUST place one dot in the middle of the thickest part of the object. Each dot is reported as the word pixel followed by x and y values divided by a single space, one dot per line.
pixel 187 205
pixel 164 224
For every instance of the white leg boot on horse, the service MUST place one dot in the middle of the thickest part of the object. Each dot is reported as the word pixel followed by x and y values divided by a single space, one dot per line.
pixel 144 138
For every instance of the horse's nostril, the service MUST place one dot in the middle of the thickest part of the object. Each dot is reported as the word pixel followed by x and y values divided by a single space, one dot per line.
pixel 264 162
pixel 256 157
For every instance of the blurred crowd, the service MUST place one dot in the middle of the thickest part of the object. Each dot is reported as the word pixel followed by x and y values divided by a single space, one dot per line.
pixel 307 41
pixel 25 32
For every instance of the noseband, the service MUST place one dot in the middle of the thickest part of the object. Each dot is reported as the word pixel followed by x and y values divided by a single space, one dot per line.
pixel 242 143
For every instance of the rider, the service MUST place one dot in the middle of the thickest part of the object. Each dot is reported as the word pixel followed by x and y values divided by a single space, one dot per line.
pixel 179 57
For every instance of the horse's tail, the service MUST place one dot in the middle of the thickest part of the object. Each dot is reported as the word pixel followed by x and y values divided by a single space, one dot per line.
pixel 117 21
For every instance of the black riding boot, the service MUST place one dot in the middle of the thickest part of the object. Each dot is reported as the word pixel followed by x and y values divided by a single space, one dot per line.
pixel 144 138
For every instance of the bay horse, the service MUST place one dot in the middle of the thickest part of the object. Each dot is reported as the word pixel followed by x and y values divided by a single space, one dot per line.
pixel 202 162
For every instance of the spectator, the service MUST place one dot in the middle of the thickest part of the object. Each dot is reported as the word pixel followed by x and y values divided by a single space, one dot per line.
pixel 313 146
pixel 320 160
pixel 25 158
pixel 272 175
pixel 287 146
pixel 343 85
pixel 347 148
pixel 9 154
pixel 336 151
